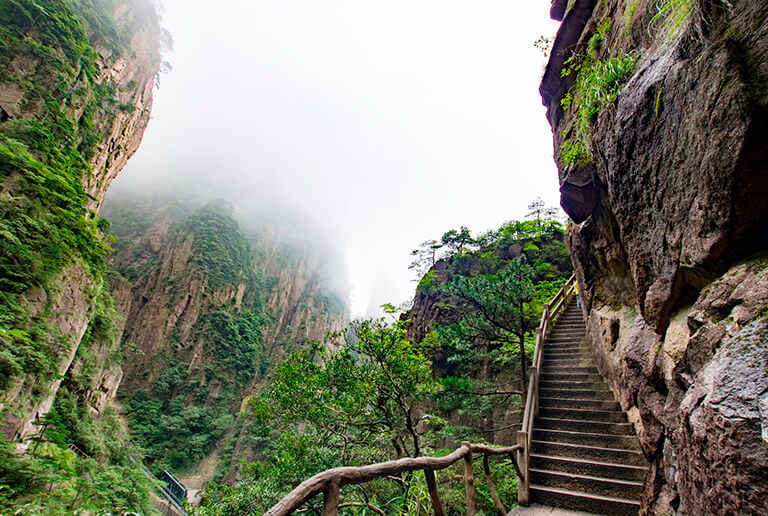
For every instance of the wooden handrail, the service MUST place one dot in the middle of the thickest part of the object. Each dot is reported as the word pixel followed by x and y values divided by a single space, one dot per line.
pixel 549 313
pixel 330 482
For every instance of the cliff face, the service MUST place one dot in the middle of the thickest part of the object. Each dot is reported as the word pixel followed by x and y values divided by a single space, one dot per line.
pixel 211 307
pixel 303 308
pixel 76 85
pixel 667 193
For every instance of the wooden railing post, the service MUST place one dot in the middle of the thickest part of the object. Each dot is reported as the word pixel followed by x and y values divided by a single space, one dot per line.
pixel 433 494
pixel 331 499
pixel 492 486
pixel 535 387
pixel 469 480
pixel 523 497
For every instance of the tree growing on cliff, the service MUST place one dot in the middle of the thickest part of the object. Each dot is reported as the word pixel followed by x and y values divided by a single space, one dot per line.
pixel 425 256
pixel 458 241
pixel 494 308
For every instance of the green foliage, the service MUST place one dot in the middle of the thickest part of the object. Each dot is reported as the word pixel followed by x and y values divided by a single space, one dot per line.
pixel 44 152
pixel 52 479
pixel 188 405
pixel 458 241
pixel 491 301
pixel 235 340
pixel 177 434
pixel 598 82
pixel 366 391
pixel 221 249
pixel 427 281
pixel 426 255
pixel 356 405
pixel 671 17
pixel 629 14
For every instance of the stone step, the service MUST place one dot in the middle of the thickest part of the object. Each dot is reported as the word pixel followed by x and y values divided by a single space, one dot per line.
pixel 559 369
pixel 619 442
pixel 569 330
pixel 579 501
pixel 575 354
pixel 578 403
pixel 586 483
pixel 576 425
pixel 566 385
pixel 585 453
pixel 566 335
pixel 576 377
pixel 574 358
pixel 588 467
pixel 583 414
pixel 552 352
pixel 565 344
pixel 577 394
pixel 578 361
pixel 565 347
pixel 596 453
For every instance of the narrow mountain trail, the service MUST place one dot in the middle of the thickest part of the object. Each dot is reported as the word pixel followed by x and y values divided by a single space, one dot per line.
pixel 585 454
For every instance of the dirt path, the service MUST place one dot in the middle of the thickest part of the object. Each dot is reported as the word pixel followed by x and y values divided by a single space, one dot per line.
pixel 196 480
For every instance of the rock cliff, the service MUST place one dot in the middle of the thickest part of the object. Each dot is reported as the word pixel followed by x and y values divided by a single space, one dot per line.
pixel 211 306
pixel 76 83
pixel 658 109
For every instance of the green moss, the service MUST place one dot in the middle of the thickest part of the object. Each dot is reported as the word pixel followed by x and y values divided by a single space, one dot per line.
pixel 762 312
pixel 671 17
pixel 44 156
pixel 657 107
pixel 628 17
pixel 598 82
pixel 220 247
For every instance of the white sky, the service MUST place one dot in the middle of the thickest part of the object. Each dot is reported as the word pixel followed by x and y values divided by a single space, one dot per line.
pixel 386 123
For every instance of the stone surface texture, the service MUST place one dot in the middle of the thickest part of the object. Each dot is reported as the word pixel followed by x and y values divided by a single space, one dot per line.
pixel 67 302
pixel 671 253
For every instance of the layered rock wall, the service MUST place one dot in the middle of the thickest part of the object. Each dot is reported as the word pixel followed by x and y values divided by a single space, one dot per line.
pixel 199 287
pixel 76 95
pixel 670 236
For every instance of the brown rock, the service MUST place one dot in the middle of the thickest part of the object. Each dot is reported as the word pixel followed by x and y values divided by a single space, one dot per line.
pixel 679 173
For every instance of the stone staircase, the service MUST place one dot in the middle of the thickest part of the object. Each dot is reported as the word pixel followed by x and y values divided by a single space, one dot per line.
pixel 585 455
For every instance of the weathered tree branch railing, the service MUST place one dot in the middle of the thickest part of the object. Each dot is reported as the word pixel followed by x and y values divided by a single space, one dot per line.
pixel 551 310
pixel 331 481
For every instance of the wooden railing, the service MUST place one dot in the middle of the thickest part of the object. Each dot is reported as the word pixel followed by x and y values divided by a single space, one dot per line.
pixel 551 310
pixel 331 481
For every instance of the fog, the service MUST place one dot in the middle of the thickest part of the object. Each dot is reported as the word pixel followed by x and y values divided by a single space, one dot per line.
pixel 377 124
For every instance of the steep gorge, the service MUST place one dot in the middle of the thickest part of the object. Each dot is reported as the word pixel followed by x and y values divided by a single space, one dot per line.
pixel 665 180
pixel 212 306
